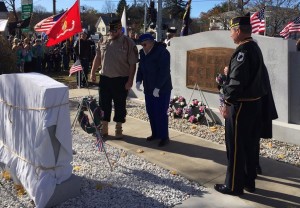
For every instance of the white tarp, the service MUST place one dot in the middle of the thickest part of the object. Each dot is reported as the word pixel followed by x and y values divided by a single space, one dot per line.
pixel 3 24
pixel 29 104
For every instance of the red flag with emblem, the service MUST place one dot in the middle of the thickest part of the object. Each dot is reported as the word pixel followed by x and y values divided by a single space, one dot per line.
pixel 68 25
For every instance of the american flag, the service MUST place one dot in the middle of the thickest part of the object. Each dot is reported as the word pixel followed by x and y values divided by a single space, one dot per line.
pixel 293 26
pixel 76 67
pixel 46 24
pixel 258 21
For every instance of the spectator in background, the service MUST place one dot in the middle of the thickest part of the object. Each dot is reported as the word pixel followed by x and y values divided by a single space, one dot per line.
pixel 17 48
pixel 170 34
pixel 57 59
pixel 83 53
pixel 38 55
pixel 155 75
pixel 66 52
pixel 27 54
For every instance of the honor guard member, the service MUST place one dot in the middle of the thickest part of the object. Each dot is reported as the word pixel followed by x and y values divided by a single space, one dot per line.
pixel 117 56
pixel 245 85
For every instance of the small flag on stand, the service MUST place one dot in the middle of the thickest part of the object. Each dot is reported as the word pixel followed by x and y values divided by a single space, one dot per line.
pixel 75 67
pixel 258 21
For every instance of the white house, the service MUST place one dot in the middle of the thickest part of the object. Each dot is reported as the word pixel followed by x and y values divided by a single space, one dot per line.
pixel 102 25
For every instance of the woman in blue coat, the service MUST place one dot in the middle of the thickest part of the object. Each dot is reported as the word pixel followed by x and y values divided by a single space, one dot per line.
pixel 155 75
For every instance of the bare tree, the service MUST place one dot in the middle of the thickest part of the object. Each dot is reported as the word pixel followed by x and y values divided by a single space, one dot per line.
pixel 11 6
pixel 39 9
pixel 109 7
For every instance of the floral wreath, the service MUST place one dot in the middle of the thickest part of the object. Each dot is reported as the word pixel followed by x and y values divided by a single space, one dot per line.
pixel 176 106
pixel 83 119
pixel 194 112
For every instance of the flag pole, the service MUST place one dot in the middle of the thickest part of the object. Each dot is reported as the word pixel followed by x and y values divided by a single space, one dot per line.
pixel 265 32
pixel 79 72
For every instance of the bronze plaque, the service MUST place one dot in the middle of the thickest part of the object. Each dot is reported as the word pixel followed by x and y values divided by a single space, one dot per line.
pixel 204 64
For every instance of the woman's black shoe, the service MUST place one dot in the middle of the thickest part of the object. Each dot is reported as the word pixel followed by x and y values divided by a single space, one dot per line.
pixel 150 138
pixel 258 170
pixel 163 142
pixel 222 188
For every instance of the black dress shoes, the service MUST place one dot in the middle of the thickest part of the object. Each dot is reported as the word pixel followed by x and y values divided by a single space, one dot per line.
pixel 150 138
pixel 250 186
pixel 222 188
pixel 250 189
pixel 163 142
pixel 258 170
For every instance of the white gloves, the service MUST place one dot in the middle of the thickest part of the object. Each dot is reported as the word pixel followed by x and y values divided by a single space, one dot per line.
pixel 138 86
pixel 156 92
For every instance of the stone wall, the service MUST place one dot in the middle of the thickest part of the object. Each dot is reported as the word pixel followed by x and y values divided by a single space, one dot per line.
pixel 281 59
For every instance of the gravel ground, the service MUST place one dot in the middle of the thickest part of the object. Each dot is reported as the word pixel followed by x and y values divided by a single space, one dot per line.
pixel 134 181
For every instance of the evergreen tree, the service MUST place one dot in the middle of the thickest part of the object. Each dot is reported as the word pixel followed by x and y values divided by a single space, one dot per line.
pixel 120 7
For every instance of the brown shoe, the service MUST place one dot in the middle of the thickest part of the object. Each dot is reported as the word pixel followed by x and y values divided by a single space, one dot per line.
pixel 104 128
pixel 118 132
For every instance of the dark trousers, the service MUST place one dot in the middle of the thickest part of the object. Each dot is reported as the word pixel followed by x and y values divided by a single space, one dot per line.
pixel 241 129
pixel 84 73
pixel 157 109
pixel 113 89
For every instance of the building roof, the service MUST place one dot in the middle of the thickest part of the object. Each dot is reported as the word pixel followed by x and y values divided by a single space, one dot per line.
pixel 106 18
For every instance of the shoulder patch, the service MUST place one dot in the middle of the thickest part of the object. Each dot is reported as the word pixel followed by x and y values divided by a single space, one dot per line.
pixel 240 57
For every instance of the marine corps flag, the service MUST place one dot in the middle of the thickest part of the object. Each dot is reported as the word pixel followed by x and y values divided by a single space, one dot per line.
pixel 67 25
pixel 186 19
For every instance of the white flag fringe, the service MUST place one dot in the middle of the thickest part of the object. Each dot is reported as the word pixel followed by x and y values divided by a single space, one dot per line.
pixel 123 21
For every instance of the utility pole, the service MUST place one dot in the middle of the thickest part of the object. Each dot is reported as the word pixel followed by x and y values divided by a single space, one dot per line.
pixel 145 18
pixel 54 7
pixel 159 20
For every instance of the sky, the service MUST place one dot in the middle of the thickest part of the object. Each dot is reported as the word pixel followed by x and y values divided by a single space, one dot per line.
pixel 198 6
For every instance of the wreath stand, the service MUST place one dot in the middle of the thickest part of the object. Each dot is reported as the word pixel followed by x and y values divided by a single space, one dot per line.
pixel 202 99
pixel 90 104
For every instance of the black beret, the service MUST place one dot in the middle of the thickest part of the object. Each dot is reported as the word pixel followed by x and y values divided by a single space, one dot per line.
pixel 115 25
pixel 240 21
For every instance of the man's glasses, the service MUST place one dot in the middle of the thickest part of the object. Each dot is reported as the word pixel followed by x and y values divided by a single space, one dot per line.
pixel 144 44
pixel 113 31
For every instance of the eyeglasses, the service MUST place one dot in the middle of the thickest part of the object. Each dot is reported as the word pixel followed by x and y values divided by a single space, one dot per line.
pixel 113 31
pixel 144 44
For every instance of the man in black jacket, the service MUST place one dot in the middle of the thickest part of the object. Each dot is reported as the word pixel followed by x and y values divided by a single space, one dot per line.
pixel 246 84
pixel 82 51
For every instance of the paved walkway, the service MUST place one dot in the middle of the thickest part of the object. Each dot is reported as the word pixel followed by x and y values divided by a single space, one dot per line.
pixel 205 162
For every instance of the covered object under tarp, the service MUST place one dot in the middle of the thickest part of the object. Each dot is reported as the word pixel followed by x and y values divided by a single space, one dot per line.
pixel 32 106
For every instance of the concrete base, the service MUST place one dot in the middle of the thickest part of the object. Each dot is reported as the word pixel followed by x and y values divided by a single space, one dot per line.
pixel 66 190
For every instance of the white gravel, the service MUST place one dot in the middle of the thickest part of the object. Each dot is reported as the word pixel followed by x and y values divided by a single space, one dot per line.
pixel 135 182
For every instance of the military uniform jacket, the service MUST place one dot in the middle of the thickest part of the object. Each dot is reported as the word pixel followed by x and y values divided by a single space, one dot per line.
pixel 116 56
pixel 245 80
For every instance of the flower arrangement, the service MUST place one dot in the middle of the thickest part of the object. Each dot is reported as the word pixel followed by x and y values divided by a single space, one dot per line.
pixel 195 111
pixel 176 106
pixel 179 109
